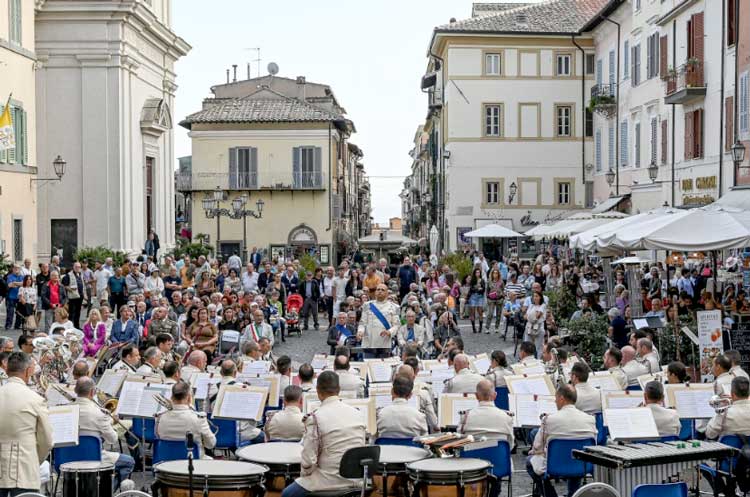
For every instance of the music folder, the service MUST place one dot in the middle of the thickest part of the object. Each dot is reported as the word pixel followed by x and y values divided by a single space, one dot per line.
pixel 692 400
pixel 270 381
pixel 64 421
pixel 111 382
pixel 528 409
pixel 536 384
pixel 241 402
pixel 635 423
pixel 451 405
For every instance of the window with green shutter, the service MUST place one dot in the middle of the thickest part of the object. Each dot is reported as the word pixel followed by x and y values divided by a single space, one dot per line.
pixel 19 154
pixel 15 32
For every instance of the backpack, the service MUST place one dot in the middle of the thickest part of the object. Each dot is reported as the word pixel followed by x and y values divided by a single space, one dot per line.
pixel 742 466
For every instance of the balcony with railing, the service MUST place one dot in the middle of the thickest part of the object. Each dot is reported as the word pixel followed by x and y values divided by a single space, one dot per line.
pixel 604 100
pixel 243 181
pixel 686 84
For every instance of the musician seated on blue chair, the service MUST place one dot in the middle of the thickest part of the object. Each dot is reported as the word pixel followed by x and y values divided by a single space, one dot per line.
pixel 287 424
pixel 486 420
pixel 284 368
pixel 735 420
pixel 182 418
pixel 93 421
pixel 498 369
pixel 568 423
pixel 249 432
pixel 401 420
pixel 667 420
pixel 331 430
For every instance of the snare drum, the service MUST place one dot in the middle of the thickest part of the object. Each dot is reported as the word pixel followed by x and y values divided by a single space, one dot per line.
pixel 87 479
pixel 217 478
pixel 282 458
pixel 435 477
pixel 393 461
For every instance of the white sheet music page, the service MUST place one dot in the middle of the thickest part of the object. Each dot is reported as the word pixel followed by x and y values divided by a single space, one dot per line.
pixel 630 424
pixel 240 405
pixel 111 382
pixel 536 385
pixel 693 403
pixel 461 405
pixel 482 363
pixel 148 407
pixel 385 399
pixel 130 398
pixel 202 382
pixel 257 367
pixel 64 421
pixel 622 401
pixel 604 380
pixel 319 362
pixel 379 371
pixel 55 398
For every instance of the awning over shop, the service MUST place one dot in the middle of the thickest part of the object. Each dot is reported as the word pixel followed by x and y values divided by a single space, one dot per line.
pixel 738 197
pixel 609 204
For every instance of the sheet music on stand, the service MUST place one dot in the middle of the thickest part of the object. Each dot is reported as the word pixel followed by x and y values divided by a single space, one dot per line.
pixel 359 368
pixel 270 381
pixel 319 362
pixel 527 409
pixel 64 421
pixel 646 378
pixel 451 405
pixel 379 371
pixel 240 402
pixel 435 364
pixel 367 408
pixel 481 363
pixel 620 400
pixel 648 322
pixel 438 378
pixel 256 367
pixel 381 392
pixel 201 383
pixel 604 380
pixel 692 400
pixel 137 399
pixel 536 384
pixel 111 382
pixel 536 368
pixel 631 424
pixel 55 398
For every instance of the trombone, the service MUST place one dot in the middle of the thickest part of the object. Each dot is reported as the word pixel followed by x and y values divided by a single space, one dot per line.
pixel 108 406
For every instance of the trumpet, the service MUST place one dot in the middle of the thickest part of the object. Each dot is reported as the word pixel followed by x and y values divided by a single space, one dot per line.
pixel 720 404
pixel 163 401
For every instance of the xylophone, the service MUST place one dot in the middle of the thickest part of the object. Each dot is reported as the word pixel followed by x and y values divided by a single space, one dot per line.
pixel 628 465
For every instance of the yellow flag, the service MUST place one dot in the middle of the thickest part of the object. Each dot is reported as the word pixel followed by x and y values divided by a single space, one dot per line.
pixel 7 137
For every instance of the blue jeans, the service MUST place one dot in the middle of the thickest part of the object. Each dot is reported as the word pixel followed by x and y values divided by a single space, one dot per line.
pixel 295 490
pixel 123 467
pixel 10 313
pixel 542 483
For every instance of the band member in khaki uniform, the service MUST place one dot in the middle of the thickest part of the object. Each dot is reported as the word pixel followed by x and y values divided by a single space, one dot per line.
pixel 567 423
pixel 371 331
pixel 288 423
pixel 736 359
pixel 498 369
pixel 612 359
pixel 196 363
pixel 25 431
pixel 348 380
pixel 667 420
pixel 401 420
pixel 721 370
pixel 589 398
pixel 465 380
pixel 93 421
pixel 330 431
pixel 632 367
pixel 649 357
pixel 486 420
pixel 422 391
pixel 175 423
pixel 228 371
pixel 152 358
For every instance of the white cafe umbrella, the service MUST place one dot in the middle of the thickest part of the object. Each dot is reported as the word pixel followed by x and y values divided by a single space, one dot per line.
pixel 633 259
pixel 702 229
pixel 493 231
pixel 433 239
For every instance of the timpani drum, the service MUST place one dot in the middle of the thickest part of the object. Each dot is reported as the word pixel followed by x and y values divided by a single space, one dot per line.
pixel 283 460
pixel 212 478
pixel 449 477
pixel 393 461
pixel 87 479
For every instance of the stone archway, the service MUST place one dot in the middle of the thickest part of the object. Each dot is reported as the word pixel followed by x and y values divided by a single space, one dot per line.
pixel 301 239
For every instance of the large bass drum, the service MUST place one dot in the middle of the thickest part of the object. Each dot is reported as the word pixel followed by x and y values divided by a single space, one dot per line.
pixel 283 460
pixel 449 477
pixel 87 479
pixel 212 478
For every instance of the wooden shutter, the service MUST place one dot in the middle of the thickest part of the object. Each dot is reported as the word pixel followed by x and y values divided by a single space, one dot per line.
pixel 729 120
pixel 25 135
pixel 12 150
pixel 297 167
pixel 698 36
pixel 688 135
pixel 698 133
pixel 624 144
pixel 253 180
pixel 664 141
pixel 233 176
pixel 731 22
pixel 690 39
pixel 318 167
pixel 663 56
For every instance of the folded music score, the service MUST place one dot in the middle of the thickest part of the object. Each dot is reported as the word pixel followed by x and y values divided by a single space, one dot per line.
pixel 111 382
pixel 451 405
pixel 201 383
pixel 267 380
pixel 137 399
pixel 535 384
pixel 636 423
pixel 692 400
pixel 604 380
pixel 240 402
pixel 64 422
pixel 528 409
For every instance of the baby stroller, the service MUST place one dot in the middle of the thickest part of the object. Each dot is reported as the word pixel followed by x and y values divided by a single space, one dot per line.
pixel 293 307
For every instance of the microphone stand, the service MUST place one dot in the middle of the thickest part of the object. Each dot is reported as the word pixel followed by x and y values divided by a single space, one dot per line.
pixel 190 445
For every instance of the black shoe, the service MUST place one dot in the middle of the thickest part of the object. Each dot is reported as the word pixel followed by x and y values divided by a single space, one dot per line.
pixel 304 328
pixel 317 327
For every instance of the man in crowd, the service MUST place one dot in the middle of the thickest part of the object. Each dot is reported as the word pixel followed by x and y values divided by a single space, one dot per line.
pixel 310 290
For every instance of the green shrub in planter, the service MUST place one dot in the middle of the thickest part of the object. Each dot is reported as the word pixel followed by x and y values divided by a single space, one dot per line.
pixel 588 338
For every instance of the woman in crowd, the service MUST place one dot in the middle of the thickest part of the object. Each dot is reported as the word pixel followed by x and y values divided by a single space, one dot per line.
pixel 61 320
pixel 203 334
pixel 476 299
pixel 536 315
pixel 495 289
pixel 27 296
pixel 94 334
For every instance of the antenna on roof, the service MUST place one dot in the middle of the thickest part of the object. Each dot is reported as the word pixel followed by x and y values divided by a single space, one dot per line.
pixel 248 70
pixel 273 68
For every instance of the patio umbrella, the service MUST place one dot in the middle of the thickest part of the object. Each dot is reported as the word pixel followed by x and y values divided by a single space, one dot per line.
pixel 703 229
pixel 631 236
pixel 493 231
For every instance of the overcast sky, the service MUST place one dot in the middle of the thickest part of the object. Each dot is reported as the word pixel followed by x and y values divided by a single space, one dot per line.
pixel 372 53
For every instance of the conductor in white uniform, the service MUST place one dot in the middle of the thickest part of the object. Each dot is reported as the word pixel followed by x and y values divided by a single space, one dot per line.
pixel 401 420
pixel 373 333
pixel 330 431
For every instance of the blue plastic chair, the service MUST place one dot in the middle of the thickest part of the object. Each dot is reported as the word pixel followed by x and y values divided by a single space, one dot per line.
pixel 502 401
pixel 560 461
pixel 636 388
pixel 172 450
pixel 499 457
pixel 602 432
pixel 144 431
pixel 686 429
pixel 226 436
pixel 407 442
pixel 88 449
pixel 679 489
pixel 724 464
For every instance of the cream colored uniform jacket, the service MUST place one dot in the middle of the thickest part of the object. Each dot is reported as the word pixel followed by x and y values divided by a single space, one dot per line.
pixel 567 423
pixel 330 431
pixel 651 361
pixel 351 382
pixel 465 381
pixel 371 327
pixel 633 370
pixel 589 398
pixel 667 420
pixel 620 376
pixel 400 420
pixel 123 366
pixel 497 376
pixel 286 424
pixel 174 425
pixel 738 372
pixel 420 335
pixel 426 405
pixel 486 420
pixel 734 420
pixel 93 422
pixel 720 381
pixel 25 435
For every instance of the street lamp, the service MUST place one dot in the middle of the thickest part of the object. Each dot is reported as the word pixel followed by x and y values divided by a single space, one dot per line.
pixel 610 177
pixel 58 165
pixel 738 154
pixel 239 212
pixel 653 171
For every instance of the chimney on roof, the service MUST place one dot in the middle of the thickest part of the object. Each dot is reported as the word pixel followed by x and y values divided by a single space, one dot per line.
pixel 227 76
pixel 248 70
pixel 301 80
pixel 234 66
pixel 522 19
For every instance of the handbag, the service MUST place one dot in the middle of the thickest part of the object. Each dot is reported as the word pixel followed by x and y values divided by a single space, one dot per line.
pixel 492 295
pixel 535 328
pixel 31 323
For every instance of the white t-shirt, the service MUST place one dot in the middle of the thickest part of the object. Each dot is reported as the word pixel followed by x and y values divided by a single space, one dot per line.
pixel 102 278
pixel 340 285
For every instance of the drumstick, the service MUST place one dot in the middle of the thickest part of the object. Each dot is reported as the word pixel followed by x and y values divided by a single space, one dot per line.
pixel 442 438
pixel 458 443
